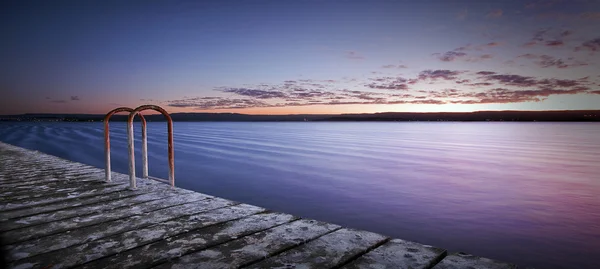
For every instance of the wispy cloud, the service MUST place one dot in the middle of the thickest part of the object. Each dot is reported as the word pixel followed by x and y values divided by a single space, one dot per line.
pixel 592 45
pixel 75 98
pixel 389 83
pixel 450 56
pixel 471 47
pixel 554 43
pixel 545 61
pixel 549 37
pixel 471 87
pixel 354 55
pixel 439 74
pixel 590 15
pixel 392 66
pixel 480 58
pixel 566 33
pixel 260 94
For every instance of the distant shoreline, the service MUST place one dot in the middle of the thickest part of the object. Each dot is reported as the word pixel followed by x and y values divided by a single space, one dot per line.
pixel 481 116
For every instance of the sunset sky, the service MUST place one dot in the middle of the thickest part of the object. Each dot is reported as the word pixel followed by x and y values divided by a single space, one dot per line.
pixel 306 56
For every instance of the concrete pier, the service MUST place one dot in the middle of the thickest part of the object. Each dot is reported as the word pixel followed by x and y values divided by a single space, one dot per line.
pixel 56 213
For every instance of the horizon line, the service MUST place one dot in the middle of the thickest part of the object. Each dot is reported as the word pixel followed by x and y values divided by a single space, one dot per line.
pixel 358 113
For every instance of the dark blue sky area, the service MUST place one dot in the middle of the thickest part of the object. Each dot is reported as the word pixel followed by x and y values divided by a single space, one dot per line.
pixel 299 56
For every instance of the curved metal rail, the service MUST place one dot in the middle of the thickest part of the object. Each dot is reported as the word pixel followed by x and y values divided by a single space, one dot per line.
pixel 132 179
pixel 107 141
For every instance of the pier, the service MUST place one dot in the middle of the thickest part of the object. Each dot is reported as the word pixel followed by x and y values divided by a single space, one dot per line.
pixel 55 213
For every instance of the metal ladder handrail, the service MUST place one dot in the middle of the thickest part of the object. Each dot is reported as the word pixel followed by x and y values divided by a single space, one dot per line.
pixel 132 178
pixel 107 117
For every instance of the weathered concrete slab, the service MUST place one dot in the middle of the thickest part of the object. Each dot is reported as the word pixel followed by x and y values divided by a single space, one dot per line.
pixel 466 261
pixel 80 211
pixel 144 186
pixel 43 190
pixel 48 200
pixel 79 201
pixel 398 253
pixel 111 245
pixel 163 250
pixel 101 230
pixel 173 204
pixel 60 191
pixel 255 247
pixel 41 176
pixel 331 250
pixel 48 188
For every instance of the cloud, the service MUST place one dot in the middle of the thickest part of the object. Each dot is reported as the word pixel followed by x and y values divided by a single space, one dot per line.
pixel 549 61
pixel 512 80
pixel 592 45
pixel 503 95
pixel 354 55
pixel 528 56
pixel 590 15
pixel 471 47
pixel 554 43
pixel 345 98
pixel 478 84
pixel 388 83
pixel 390 66
pixel 387 86
pixel 260 94
pixel 75 98
pixel 463 48
pixel 570 17
pixel 566 33
pixel 497 13
pixel 473 87
pixel 450 56
pixel 480 58
pixel 59 101
pixel 531 82
pixel 439 74
pixel 545 61
pixel 538 36
pixel 220 103
pixel 486 73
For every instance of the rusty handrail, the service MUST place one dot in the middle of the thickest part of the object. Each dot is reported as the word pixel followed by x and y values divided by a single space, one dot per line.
pixel 132 114
pixel 107 141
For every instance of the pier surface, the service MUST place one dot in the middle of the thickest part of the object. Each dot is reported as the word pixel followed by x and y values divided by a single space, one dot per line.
pixel 56 213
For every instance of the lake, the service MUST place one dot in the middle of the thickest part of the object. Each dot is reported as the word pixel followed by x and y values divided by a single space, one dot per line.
pixel 527 193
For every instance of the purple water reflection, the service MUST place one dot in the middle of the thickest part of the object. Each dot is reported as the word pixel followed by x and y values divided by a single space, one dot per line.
pixel 527 193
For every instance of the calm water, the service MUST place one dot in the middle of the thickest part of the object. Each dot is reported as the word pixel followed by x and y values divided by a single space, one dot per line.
pixel 528 193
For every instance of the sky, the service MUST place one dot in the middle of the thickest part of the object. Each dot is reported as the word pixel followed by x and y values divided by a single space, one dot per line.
pixel 297 57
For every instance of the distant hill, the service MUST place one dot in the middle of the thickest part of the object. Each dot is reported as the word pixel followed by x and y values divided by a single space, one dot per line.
pixel 566 115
